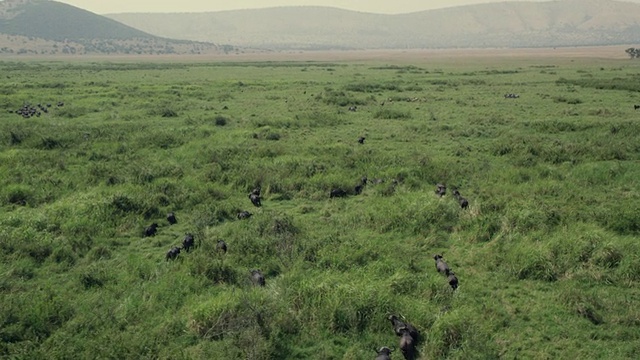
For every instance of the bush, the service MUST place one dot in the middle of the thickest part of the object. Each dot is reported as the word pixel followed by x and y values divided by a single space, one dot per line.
pixel 18 195
pixel 221 120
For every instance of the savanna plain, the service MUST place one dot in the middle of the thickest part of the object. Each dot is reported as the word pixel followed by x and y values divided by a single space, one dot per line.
pixel 546 253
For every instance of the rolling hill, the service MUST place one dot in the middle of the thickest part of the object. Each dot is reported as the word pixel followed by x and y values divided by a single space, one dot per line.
pixel 50 27
pixel 517 24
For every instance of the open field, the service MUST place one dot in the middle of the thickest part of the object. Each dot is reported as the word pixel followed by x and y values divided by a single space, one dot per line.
pixel 546 254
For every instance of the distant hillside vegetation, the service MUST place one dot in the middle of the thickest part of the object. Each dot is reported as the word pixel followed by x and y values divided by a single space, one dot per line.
pixel 513 24
pixel 50 27
pixel 53 20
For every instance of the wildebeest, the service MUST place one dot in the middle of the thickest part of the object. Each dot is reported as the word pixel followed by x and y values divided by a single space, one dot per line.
pixel 353 108
pixel 384 353
pixel 171 218
pixel 256 190
pixel 464 203
pixel 257 278
pixel 173 253
pixel 221 246
pixel 453 280
pixel 407 344
pixel 358 189
pixel 441 189
pixel 188 242
pixel 398 325
pixel 337 193
pixel 151 230
pixel 361 139
pixel 511 96
pixel 244 215
pixel 636 107
pixel 441 266
pixel 255 199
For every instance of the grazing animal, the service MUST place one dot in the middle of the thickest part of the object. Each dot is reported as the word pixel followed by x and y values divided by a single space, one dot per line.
pixel 171 218
pixel 256 191
pixel 407 344
pixel 337 193
pixel 188 242
pixel 464 203
pixel 244 215
pixel 221 246
pixel 151 230
pixel 255 199
pixel 453 280
pixel 358 189
pixel 384 353
pixel 361 139
pixel 441 266
pixel 636 107
pixel 441 189
pixel 257 278
pixel 398 325
pixel 173 253
pixel 353 108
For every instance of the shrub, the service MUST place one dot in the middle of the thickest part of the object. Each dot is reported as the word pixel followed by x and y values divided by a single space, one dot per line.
pixel 221 120
pixel 18 195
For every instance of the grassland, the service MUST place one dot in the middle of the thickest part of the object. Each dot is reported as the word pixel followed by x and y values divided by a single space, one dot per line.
pixel 547 254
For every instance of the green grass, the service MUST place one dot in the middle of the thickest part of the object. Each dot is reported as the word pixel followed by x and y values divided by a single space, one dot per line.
pixel 547 253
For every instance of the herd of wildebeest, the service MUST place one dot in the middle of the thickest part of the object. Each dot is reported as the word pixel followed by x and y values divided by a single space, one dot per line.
pixel 408 333
pixel 27 110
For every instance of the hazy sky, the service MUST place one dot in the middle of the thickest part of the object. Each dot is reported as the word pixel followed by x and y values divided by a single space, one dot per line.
pixel 377 6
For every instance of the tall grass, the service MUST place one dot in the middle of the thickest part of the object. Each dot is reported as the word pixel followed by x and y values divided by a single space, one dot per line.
pixel 545 253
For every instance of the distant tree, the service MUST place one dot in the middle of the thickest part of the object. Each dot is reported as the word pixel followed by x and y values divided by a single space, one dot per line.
pixel 633 53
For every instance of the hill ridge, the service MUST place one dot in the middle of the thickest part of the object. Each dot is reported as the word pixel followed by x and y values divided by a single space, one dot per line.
pixel 500 24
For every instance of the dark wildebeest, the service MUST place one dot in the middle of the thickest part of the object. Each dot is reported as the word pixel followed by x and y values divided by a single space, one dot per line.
pixel 171 218
pixel 257 278
pixel 464 203
pixel 256 190
pixel 221 246
pixel 361 139
pixel 384 353
pixel 188 242
pixel 358 189
pixel 636 107
pixel 453 280
pixel 337 193
pixel 407 344
pixel 244 215
pixel 399 324
pixel 353 108
pixel 151 230
pixel 441 266
pixel 441 189
pixel 255 199
pixel 173 253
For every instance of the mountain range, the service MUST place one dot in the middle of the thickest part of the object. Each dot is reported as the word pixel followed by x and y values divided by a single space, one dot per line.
pixel 50 27
pixel 504 24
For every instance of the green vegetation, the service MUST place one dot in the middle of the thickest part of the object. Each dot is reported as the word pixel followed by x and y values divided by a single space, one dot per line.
pixel 546 254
